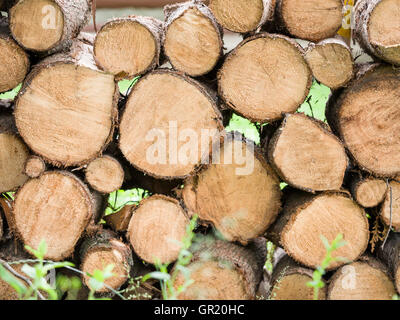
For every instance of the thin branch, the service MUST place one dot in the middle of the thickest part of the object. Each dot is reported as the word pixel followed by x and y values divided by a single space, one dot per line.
pixel 391 211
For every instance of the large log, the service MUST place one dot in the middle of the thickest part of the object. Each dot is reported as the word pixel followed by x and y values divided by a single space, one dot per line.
pixel 159 134
pixel 240 197
pixel 366 117
pixel 307 155
pixel 377 28
pixel 48 25
pixel 366 279
pixel 306 218
pixel 264 77
pixel 242 16
pixel 14 62
pixel 390 254
pixel 312 20
pixel 390 209
pixel 193 39
pixel 67 109
pixel 130 46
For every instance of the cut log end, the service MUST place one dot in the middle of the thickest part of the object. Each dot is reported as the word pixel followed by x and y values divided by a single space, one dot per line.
pixel 272 62
pixel 390 255
pixel 331 63
pixel 157 117
pixel 361 280
pixel 302 145
pixel 312 20
pixel 157 228
pixel 105 174
pixel 187 31
pixel 13 156
pixel 128 47
pixel 241 201
pixel 369 192
pixel 34 167
pixel 390 211
pixel 119 221
pixel 66 113
pixel 56 208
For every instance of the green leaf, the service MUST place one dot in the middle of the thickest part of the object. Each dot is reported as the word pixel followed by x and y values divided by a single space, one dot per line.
pixel 15 283
pixel 156 275
pixel 29 271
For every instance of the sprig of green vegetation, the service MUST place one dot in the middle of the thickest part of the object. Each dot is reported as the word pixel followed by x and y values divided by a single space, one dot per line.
pixel 317 283
pixel 168 280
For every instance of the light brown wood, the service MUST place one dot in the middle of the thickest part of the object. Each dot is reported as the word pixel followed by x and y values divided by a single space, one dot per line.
pixel 307 155
pixel 369 192
pixel 55 208
pixel 34 167
pixel 391 204
pixel 105 174
pixel 157 228
pixel 264 77
pixel 119 221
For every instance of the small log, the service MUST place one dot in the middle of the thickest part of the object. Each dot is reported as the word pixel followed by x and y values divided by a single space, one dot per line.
pixel 307 155
pixel 289 282
pixel 119 221
pixel 306 218
pixel 242 16
pixel 193 39
pixel 369 192
pixel 312 20
pixel 105 249
pixel 48 26
pixel 129 47
pixel 390 254
pixel 157 227
pixel 377 24
pixel 331 62
pixel 365 279
pixel 275 80
pixel 390 210
pixel 34 167
pixel 105 174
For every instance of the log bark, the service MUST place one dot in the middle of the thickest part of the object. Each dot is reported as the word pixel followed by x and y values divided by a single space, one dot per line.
pixel 129 47
pixel 62 116
pixel 104 249
pixel 159 134
pixel 105 174
pixel 365 116
pixel 377 28
pixel 306 218
pixel 242 16
pixel 365 279
pixel 390 210
pixel 14 61
pixel 390 254
pixel 311 20
pixel 331 62
pixel 307 155
pixel 193 39
pixel 369 192
pixel 34 167
pixel 57 207
pixel 119 221
pixel 240 197
pixel 257 91
pixel 48 26
pixel 157 227
pixel 289 282
pixel 222 271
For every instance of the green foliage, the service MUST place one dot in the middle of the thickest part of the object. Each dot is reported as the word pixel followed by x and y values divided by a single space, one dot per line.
pixel 317 283
pixel 11 94
pixel 245 127
pixel 97 280
pixel 269 263
pixel 315 104
pixel 119 199
pixel 125 85
pixel 167 280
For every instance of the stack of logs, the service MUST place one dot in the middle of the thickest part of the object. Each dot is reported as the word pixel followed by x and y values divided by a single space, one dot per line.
pixel 69 139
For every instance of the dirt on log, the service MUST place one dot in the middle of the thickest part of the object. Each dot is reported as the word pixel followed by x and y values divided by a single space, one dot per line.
pixel 277 77
pixel 390 210
pixel 104 249
pixel 369 192
pixel 159 133
pixel 223 271
pixel 289 282
pixel 14 61
pixel 331 62
pixel 390 254
pixel 67 109
pixel 377 28
pixel 306 217
pixel 366 116
pixel 129 47
pixel 312 20
pixel 157 227
pixel 240 197
pixel 193 39
pixel 307 155
pixel 48 26
pixel 365 279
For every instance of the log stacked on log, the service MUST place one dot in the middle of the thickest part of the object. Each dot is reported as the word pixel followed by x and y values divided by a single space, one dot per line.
pixel 34 167
pixel 390 210
pixel 369 192
pixel 390 254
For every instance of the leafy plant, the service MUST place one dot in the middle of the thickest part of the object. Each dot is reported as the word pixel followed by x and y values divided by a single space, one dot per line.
pixel 317 282
pixel 168 280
